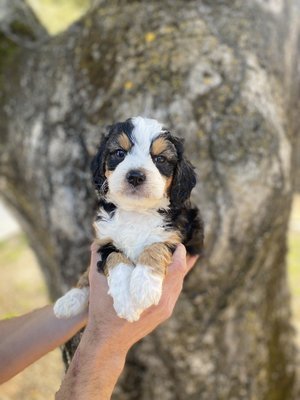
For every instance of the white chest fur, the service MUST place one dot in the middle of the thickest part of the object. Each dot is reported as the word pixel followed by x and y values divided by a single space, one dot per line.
pixel 132 231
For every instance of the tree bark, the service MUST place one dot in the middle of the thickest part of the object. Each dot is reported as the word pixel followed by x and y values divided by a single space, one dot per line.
pixel 222 74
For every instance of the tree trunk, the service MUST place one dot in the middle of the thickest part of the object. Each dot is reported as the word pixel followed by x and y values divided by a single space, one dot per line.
pixel 223 74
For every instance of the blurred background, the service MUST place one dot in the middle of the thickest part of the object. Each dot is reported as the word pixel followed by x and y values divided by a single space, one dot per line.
pixel 26 289
pixel 23 289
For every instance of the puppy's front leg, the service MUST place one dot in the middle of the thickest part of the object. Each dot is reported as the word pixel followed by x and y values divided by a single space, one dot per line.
pixel 75 300
pixel 118 269
pixel 148 275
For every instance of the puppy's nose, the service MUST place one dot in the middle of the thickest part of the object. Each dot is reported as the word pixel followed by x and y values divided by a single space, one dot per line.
pixel 135 177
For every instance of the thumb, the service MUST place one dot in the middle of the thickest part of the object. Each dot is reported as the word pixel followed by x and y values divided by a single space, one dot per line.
pixel 179 259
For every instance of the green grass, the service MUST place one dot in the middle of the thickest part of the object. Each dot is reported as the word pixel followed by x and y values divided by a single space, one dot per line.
pixel 11 249
pixel 22 285
pixel 57 15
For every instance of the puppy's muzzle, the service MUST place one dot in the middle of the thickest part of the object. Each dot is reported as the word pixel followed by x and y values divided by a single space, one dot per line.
pixel 135 177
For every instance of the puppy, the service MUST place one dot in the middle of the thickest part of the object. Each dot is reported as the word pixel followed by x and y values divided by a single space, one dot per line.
pixel 143 183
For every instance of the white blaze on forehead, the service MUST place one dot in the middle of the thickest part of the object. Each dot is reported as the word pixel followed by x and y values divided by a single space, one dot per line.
pixel 145 131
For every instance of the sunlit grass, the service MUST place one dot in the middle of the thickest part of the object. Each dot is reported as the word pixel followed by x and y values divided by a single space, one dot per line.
pixel 294 263
pixel 57 15
pixel 11 249
pixel 294 279
pixel 22 287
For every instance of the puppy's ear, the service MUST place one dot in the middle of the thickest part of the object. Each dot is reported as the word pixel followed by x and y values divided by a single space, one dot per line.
pixel 98 168
pixel 184 179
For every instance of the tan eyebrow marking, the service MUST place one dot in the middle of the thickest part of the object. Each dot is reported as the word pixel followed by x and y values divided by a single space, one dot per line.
pixel 159 146
pixel 124 141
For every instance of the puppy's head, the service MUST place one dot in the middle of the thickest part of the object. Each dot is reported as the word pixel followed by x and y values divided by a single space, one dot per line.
pixel 141 165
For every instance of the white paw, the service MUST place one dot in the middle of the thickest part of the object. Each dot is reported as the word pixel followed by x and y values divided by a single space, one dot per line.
pixel 72 303
pixel 145 287
pixel 118 282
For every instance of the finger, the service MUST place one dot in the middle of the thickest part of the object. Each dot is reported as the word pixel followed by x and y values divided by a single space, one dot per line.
pixel 94 246
pixel 95 257
pixel 95 278
pixel 182 263
pixel 179 259
pixel 175 273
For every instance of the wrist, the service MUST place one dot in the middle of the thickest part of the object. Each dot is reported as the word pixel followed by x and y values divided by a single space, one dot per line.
pixel 94 370
pixel 100 345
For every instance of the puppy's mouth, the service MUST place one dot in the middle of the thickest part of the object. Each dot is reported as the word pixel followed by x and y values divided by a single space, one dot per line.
pixel 139 191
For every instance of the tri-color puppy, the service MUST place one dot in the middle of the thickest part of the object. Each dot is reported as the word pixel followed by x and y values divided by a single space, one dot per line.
pixel 143 183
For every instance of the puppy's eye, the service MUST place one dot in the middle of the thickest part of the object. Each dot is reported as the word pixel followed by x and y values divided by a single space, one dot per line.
pixel 160 159
pixel 120 153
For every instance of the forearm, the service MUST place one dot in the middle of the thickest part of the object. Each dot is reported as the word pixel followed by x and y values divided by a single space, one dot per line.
pixel 25 339
pixel 94 371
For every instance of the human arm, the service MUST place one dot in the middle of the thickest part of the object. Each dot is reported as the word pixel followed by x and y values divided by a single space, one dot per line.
pixel 25 339
pixel 100 356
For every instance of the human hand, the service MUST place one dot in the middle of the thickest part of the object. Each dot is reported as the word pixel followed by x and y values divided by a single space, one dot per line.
pixel 103 323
